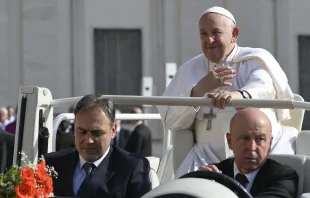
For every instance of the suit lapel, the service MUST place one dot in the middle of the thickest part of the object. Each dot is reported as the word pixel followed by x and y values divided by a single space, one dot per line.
pixel 227 167
pixel 260 178
pixel 67 168
pixel 101 177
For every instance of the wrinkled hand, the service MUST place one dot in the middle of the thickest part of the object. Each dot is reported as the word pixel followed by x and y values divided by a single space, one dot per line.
pixel 220 75
pixel 210 168
pixel 222 98
pixel 213 80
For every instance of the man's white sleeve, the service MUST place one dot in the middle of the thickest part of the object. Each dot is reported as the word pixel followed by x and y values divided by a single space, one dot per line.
pixel 179 117
pixel 260 83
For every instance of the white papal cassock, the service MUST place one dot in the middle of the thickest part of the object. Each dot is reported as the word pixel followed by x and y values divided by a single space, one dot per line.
pixel 256 72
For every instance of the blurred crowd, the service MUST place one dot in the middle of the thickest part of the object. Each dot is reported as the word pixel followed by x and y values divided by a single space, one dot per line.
pixel 8 119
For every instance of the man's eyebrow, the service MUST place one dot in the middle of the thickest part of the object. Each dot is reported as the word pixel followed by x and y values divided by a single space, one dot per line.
pixel 81 128
pixel 92 130
pixel 243 135
pixel 217 29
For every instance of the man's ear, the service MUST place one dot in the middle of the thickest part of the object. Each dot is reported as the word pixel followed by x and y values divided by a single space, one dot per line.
pixel 113 130
pixel 235 34
pixel 270 144
pixel 228 137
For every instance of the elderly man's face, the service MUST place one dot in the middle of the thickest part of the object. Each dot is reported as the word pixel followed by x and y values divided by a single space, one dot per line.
pixel 218 36
pixel 250 143
pixel 3 115
pixel 93 133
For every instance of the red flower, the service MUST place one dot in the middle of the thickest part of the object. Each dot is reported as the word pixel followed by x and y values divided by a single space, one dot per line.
pixel 42 164
pixel 25 190
pixel 27 174
pixel 41 173
pixel 36 184
pixel 48 185
pixel 41 193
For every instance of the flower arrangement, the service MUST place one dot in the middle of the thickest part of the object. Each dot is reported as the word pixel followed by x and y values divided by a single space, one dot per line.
pixel 28 180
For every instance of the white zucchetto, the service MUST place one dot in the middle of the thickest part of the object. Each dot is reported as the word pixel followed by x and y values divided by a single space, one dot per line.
pixel 220 10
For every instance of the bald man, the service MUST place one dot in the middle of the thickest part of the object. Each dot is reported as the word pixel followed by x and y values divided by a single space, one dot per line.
pixel 3 118
pixel 140 140
pixel 223 72
pixel 250 140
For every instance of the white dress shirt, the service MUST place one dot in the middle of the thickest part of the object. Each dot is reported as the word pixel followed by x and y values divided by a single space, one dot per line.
pixel 79 173
pixel 250 176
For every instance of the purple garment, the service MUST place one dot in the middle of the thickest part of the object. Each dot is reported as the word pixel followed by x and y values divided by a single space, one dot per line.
pixel 11 127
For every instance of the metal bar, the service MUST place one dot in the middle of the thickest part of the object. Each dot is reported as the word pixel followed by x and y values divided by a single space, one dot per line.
pixel 190 101
pixel 20 136
pixel 146 116
pixel 56 123
pixel 123 116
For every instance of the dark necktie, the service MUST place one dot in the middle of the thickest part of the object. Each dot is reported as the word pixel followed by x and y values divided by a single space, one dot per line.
pixel 89 169
pixel 242 179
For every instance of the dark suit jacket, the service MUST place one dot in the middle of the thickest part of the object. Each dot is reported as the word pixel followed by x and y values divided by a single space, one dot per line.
pixel 140 141
pixel 64 140
pixel 119 175
pixel 123 138
pixel 273 180
pixel 7 141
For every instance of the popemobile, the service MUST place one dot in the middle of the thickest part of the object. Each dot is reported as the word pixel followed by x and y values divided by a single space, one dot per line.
pixel 36 135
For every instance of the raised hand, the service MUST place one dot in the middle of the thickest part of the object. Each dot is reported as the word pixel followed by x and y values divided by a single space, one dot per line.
pixel 213 80
pixel 222 98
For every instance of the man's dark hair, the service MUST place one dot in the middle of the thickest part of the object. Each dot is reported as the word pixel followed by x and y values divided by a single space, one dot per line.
pixel 136 110
pixel 97 101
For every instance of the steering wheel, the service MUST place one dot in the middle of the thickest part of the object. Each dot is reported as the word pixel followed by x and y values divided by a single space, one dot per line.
pixel 225 180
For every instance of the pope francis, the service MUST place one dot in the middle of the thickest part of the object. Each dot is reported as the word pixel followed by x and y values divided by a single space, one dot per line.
pixel 224 71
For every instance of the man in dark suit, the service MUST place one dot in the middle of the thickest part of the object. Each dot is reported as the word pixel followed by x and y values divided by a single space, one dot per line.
pixel 140 140
pixel 6 150
pixel 250 140
pixel 95 168
pixel 65 136
pixel 122 135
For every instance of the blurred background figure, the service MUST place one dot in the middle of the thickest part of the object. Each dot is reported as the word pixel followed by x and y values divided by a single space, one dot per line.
pixel 11 127
pixel 11 114
pixel 65 136
pixel 122 134
pixel 6 150
pixel 140 141
pixel 3 118
pixel 71 127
